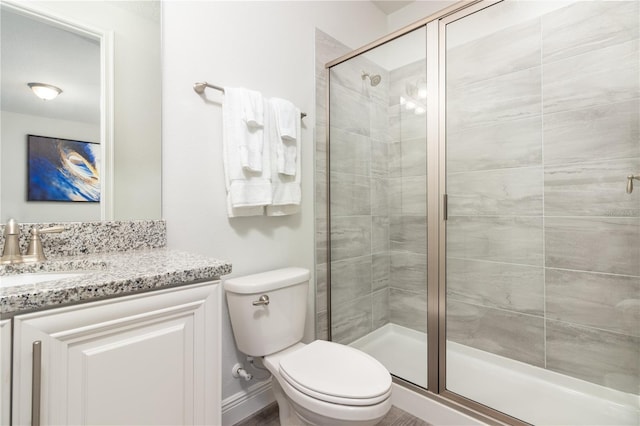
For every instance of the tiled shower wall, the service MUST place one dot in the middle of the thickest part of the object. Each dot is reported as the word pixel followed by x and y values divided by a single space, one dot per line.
pixel 327 49
pixel 378 199
pixel 359 225
pixel 543 242
pixel 543 260
pixel 407 201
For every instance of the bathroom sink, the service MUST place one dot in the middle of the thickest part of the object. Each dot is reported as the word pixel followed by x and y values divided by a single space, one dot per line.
pixel 36 277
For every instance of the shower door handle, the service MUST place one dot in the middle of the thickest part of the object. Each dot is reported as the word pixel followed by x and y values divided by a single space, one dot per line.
pixel 445 206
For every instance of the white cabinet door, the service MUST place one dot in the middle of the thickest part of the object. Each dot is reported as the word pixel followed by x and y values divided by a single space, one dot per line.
pixel 146 359
pixel 5 372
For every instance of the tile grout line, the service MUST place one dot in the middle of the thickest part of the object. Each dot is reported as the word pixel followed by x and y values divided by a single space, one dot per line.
pixel 557 268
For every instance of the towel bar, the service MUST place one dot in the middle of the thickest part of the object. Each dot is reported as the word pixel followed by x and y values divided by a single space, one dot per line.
pixel 200 86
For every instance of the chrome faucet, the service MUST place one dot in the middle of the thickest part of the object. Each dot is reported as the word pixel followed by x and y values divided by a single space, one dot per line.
pixel 35 253
pixel 11 252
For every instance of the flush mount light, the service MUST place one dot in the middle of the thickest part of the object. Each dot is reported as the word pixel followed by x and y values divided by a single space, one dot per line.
pixel 45 92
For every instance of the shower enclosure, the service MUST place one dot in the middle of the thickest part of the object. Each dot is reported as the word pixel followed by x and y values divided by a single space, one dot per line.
pixel 378 187
pixel 483 243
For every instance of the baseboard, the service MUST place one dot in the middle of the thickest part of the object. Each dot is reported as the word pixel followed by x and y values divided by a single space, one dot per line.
pixel 427 409
pixel 244 404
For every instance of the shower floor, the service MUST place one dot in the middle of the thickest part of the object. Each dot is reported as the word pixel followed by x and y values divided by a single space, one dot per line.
pixel 402 350
pixel 530 393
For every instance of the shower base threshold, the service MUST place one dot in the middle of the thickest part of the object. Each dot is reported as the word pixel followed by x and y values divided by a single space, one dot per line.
pixel 530 393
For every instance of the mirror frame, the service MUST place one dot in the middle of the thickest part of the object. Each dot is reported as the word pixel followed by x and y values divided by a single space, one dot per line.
pixel 105 37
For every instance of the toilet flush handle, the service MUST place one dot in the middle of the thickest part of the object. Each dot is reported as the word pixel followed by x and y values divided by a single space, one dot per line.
pixel 264 300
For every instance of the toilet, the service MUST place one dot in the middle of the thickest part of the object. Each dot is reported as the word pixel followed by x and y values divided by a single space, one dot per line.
pixel 320 383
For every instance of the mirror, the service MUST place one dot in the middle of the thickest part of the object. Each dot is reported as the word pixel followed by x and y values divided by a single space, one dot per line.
pixel 105 56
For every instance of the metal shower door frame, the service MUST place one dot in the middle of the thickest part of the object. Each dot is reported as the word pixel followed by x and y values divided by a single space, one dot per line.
pixel 441 236
pixel 436 207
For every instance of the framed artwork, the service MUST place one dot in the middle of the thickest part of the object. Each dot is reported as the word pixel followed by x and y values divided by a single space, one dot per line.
pixel 62 170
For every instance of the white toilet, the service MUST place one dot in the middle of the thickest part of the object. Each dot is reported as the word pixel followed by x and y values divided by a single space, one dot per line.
pixel 322 383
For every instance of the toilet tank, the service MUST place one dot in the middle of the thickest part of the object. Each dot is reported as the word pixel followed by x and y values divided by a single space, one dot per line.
pixel 264 329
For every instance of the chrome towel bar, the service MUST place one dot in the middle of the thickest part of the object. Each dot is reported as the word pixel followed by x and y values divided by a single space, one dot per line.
pixel 200 86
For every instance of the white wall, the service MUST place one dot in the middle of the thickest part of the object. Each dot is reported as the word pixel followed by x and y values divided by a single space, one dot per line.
pixel 14 130
pixel 266 46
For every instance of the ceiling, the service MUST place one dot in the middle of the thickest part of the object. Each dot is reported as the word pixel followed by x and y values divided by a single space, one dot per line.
pixel 388 7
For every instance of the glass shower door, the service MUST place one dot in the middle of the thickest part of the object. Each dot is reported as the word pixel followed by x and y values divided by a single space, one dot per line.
pixel 377 200
pixel 543 240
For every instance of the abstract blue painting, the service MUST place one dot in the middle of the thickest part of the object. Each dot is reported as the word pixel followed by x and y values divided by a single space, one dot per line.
pixel 62 170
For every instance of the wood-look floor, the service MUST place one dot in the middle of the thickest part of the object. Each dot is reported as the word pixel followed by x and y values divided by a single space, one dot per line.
pixel 395 417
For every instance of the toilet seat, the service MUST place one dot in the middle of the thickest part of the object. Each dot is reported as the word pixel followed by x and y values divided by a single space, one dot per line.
pixel 337 374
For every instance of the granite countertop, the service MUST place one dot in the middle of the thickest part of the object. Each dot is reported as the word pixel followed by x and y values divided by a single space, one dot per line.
pixel 109 274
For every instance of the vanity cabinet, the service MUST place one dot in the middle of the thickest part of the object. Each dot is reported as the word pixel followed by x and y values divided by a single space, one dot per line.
pixel 150 358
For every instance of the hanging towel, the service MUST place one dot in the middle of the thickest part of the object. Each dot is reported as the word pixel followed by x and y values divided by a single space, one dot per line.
pixel 243 211
pixel 286 189
pixel 245 109
pixel 248 191
pixel 287 119
pixel 253 108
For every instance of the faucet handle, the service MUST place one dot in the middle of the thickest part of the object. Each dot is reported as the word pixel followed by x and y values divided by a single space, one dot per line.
pixel 50 230
pixel 11 252
pixel 12 228
pixel 35 253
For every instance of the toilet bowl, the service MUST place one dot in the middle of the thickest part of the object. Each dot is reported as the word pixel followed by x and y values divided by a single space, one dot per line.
pixel 321 383
pixel 330 384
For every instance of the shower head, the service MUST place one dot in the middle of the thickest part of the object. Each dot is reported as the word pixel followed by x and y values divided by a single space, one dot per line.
pixel 374 79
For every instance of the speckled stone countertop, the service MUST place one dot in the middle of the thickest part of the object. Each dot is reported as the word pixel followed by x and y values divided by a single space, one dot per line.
pixel 109 274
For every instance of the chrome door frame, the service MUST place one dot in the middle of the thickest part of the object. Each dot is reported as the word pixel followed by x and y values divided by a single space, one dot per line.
pixel 436 208
pixel 441 265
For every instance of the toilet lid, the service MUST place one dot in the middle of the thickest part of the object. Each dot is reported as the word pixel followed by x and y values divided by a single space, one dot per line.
pixel 324 368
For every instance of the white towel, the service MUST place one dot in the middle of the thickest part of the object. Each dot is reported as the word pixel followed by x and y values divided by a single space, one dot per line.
pixel 245 109
pixel 286 189
pixel 243 211
pixel 247 191
pixel 287 118
pixel 253 108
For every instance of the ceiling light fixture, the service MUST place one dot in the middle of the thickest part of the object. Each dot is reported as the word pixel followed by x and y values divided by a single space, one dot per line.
pixel 45 92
